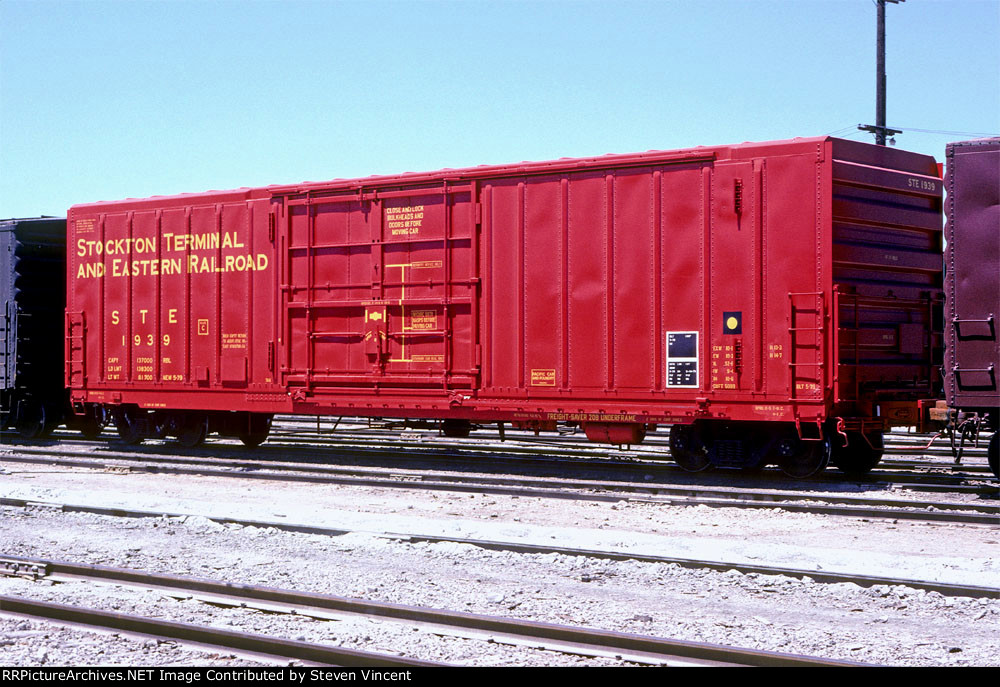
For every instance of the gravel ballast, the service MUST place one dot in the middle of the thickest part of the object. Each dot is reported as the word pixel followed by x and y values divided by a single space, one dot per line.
pixel 894 625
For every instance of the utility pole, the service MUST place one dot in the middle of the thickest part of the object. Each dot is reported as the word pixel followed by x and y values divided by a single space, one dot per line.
pixel 880 129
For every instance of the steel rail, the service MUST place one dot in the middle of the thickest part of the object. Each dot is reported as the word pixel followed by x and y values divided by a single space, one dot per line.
pixel 257 645
pixel 566 445
pixel 588 454
pixel 520 443
pixel 944 588
pixel 567 639
pixel 522 457
pixel 590 457
pixel 291 426
pixel 392 424
pixel 886 471
pixel 467 458
pixel 579 490
pixel 897 464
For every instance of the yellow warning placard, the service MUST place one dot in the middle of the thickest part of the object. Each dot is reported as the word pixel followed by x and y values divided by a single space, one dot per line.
pixel 423 320
pixel 543 378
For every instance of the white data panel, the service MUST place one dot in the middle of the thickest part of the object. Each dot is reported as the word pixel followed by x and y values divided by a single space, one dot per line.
pixel 682 360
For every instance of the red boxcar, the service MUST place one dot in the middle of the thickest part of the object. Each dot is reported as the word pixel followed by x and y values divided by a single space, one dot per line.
pixel 776 302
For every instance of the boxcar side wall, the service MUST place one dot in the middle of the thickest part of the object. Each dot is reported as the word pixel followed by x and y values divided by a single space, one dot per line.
pixel 8 349
pixel 972 368
pixel 556 296
pixel 32 289
pixel 590 276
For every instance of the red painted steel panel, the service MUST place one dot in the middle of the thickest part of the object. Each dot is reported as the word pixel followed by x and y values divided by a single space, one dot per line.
pixel 632 247
pixel 502 283
pixel 685 263
pixel 541 284
pixel 657 287
pixel 587 273
pixel 174 291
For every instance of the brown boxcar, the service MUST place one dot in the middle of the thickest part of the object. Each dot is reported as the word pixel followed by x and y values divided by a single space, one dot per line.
pixel 775 302
pixel 972 285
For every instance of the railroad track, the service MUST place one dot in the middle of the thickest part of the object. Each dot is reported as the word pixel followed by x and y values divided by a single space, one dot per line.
pixel 817 575
pixel 654 453
pixel 291 432
pixel 591 457
pixel 387 447
pixel 246 644
pixel 639 490
pixel 546 636
pixel 656 444
pixel 655 449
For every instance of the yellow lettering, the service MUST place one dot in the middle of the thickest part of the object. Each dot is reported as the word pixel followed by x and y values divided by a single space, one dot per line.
pixel 90 269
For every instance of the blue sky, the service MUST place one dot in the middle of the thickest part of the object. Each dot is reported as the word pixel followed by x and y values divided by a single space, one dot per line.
pixel 108 100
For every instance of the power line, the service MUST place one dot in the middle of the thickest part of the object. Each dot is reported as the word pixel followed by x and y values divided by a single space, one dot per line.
pixel 844 132
pixel 948 133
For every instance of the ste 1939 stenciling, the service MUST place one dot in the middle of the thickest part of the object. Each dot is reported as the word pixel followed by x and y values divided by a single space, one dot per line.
pixel 922 184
